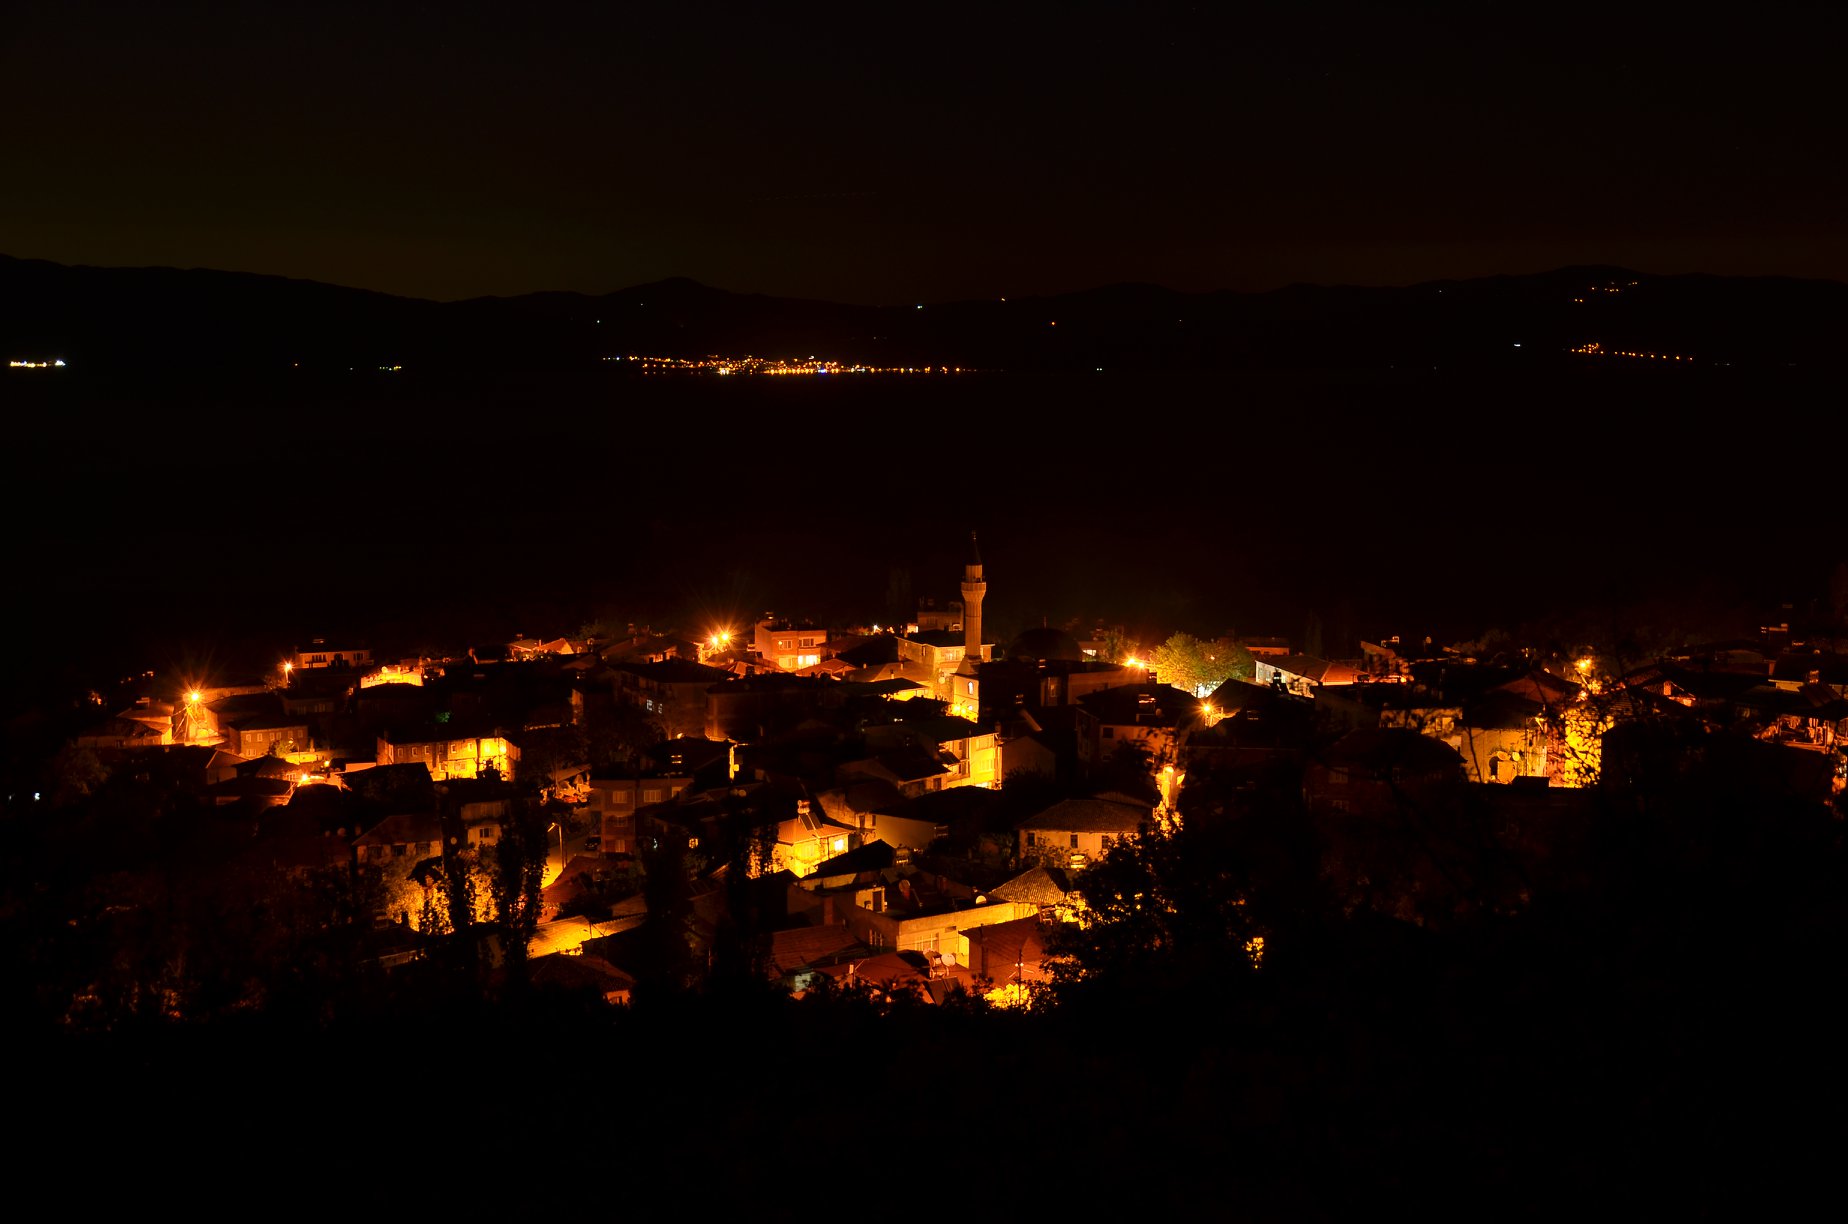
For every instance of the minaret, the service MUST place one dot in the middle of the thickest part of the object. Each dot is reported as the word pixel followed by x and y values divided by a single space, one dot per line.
pixel 973 588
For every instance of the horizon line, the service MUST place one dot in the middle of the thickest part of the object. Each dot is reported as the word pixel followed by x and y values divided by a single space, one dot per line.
pixel 901 304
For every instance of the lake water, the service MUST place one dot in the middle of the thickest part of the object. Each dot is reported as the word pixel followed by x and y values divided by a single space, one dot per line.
pixel 413 507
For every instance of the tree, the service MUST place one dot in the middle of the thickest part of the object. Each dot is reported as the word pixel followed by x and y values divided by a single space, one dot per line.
pixel 76 773
pixel 666 963
pixel 517 866
pixel 1312 636
pixel 1163 910
pixel 1199 666
pixel 551 751
pixel 616 733
pixel 1117 646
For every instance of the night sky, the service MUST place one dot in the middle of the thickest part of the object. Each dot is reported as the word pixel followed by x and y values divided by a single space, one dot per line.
pixel 883 155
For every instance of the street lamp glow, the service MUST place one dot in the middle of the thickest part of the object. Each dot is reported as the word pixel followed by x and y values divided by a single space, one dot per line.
pixel 192 698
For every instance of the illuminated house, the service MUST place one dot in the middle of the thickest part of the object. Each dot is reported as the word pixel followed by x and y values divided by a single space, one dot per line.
pixel 448 753
pixel 256 734
pixel 933 655
pixel 790 646
pixel 1301 674
pixel 965 749
pixel 903 910
pixel 140 726
pixel 672 693
pixel 478 807
pixel 408 836
pixel 741 708
pixel 1006 954
pixel 810 837
pixel 648 648
pixel 1048 888
pixel 1074 832
pixel 796 952
pixel 942 660
pixel 1381 773
pixel 882 815
pixel 910 769
pixel 536 648
pixel 932 618
pixel 1249 726
pixel 320 654
pixel 393 673
pixel 614 801
pixel 1034 748
pixel 1502 737
pixel 1149 715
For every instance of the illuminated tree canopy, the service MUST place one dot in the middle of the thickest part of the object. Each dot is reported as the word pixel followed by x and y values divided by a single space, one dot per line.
pixel 1199 665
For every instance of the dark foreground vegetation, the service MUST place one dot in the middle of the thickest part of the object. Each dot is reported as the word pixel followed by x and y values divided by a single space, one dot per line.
pixel 1654 1030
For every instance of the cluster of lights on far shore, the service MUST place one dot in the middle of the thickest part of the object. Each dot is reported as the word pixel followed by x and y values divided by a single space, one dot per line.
pixel 1594 349
pixel 56 363
pixel 770 365
pixel 1610 287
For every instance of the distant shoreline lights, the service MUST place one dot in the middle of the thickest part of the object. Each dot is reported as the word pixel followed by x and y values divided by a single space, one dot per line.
pixel 765 365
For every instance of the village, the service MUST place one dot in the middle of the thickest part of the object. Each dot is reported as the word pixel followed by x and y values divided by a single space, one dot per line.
pixel 907 808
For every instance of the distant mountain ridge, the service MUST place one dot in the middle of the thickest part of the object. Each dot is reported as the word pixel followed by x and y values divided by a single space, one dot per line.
pixel 125 319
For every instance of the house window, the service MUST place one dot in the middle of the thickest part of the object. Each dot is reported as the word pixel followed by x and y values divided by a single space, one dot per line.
pixel 1109 732
pixel 1030 840
pixel 397 851
pixel 1494 767
pixel 1074 841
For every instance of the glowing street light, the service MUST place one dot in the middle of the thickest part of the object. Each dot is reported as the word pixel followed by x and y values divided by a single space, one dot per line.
pixel 192 698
